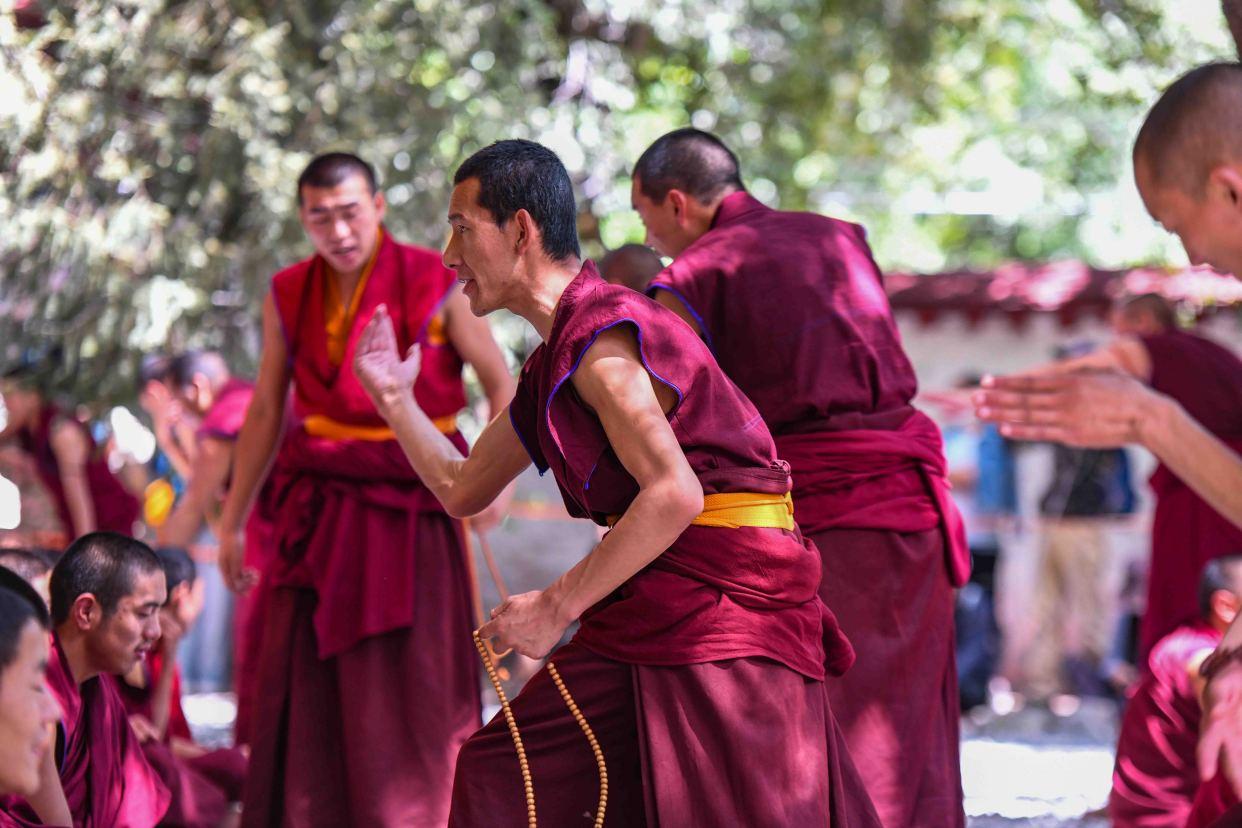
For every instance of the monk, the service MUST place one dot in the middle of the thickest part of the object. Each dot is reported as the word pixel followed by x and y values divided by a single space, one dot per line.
pixel 703 647
pixel 88 496
pixel 107 590
pixel 201 383
pixel 369 679
pixel 203 783
pixel 27 712
pixel 631 265
pixel 35 567
pixel 1156 777
pixel 1188 167
pixel 793 308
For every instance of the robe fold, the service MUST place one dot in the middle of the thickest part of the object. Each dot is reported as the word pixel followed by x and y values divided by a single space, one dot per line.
pixel 1186 533
pixel 115 508
pixel 1156 774
pixel 702 675
pixel 368 677
pixel 203 787
pixel 793 307
pixel 107 780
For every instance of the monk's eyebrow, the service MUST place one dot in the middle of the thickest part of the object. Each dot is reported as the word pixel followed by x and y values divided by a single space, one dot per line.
pixel 455 217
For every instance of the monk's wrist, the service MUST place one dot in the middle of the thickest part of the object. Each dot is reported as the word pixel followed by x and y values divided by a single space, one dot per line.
pixel 559 604
pixel 1156 421
pixel 397 404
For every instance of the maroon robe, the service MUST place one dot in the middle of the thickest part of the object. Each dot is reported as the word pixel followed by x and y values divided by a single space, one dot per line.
pixel 223 421
pixel 115 508
pixel 702 675
pixel 1156 774
pixel 368 677
pixel 793 307
pixel 201 787
pixel 1216 805
pixel 106 778
pixel 1186 533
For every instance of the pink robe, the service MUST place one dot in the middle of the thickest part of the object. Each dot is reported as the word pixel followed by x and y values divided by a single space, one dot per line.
pixel 702 675
pixel 107 780
pixel 793 308
pixel 1186 533
pixel 368 678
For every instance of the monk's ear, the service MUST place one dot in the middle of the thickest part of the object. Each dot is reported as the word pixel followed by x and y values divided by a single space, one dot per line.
pixel 527 232
pixel 679 201
pixel 381 204
pixel 1225 184
pixel 86 612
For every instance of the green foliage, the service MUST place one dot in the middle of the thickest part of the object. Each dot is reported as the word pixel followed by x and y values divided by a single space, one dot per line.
pixel 149 147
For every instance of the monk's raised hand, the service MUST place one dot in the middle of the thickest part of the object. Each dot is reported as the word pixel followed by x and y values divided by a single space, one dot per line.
pixel 1220 734
pixel 526 623
pixel 379 367
pixel 1093 409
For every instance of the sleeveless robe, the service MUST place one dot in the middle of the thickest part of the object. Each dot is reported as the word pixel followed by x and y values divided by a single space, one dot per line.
pixel 107 780
pixel 793 307
pixel 702 675
pixel 369 681
pixel 1156 774
pixel 1186 533
pixel 115 508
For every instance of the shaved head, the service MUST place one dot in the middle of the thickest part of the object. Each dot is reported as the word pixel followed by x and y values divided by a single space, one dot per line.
pixel 1145 315
pixel 691 160
pixel 1195 127
pixel 631 265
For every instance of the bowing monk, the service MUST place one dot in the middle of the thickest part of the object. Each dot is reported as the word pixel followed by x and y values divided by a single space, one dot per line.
pixel 701 655
pixel 1188 167
pixel 203 783
pixel 369 679
pixel 1156 776
pixel 87 494
pixel 107 590
pixel 793 308
pixel 27 711
pixel 201 383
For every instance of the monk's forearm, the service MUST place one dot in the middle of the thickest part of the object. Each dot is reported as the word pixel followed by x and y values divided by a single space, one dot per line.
pixel 435 459
pixel 252 459
pixel 78 498
pixel 161 700
pixel 655 519
pixel 49 801
pixel 1202 461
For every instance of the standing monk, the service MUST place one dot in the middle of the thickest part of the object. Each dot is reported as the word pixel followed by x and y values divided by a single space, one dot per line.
pixel 793 308
pixel 107 590
pixel 700 659
pixel 1188 167
pixel 369 682
pixel 203 384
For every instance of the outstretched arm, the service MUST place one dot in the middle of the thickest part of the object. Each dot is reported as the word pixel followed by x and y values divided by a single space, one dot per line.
pixel 211 472
pixel 632 409
pixel 463 485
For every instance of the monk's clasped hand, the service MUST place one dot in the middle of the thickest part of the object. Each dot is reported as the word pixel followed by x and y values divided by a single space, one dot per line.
pixel 527 623
pixel 1092 409
pixel 377 363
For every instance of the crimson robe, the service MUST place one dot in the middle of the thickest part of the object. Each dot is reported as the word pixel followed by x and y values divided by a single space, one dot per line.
pixel 223 421
pixel 793 307
pixel 115 508
pixel 702 676
pixel 201 787
pixel 1186 533
pixel 107 780
pixel 1156 775
pixel 368 677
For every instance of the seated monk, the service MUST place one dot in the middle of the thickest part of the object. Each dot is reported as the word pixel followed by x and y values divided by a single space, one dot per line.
pixel 35 567
pixel 700 663
pixel 1156 776
pixel 27 711
pixel 107 590
pixel 203 782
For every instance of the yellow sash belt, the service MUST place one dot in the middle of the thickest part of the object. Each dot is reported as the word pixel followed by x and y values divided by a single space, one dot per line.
pixel 731 510
pixel 319 425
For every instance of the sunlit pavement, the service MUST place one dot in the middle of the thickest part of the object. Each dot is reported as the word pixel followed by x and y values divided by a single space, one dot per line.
pixel 1030 767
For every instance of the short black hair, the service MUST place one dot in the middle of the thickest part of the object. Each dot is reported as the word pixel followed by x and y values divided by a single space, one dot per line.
pixel 691 160
pixel 1219 573
pixel 153 368
pixel 183 367
pixel 19 605
pixel 1194 127
pixel 31 564
pixel 522 175
pixel 103 564
pixel 178 566
pixel 331 168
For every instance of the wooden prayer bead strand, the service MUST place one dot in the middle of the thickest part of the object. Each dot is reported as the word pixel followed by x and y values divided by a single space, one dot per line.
pixel 590 735
pixel 528 783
